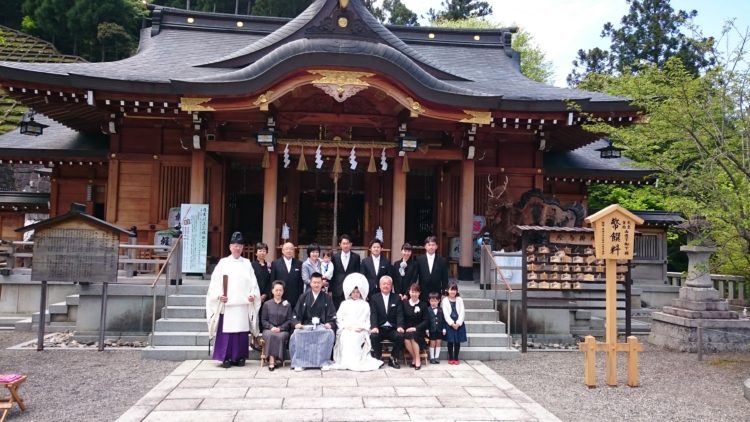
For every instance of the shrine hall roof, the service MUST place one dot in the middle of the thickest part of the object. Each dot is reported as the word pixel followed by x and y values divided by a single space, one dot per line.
pixel 195 53
pixel 585 162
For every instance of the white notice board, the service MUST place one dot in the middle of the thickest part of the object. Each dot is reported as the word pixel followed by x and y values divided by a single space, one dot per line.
pixel 194 222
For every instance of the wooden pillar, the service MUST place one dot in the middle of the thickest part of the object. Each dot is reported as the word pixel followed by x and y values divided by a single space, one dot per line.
pixel 198 177
pixel 113 186
pixel 466 261
pixel 611 321
pixel 270 194
pixel 398 204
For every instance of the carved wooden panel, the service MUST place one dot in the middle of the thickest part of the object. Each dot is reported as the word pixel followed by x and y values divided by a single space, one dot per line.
pixel 174 187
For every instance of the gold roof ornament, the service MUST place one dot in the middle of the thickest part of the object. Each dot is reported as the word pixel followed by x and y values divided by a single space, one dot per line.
pixel 343 3
pixel 478 117
pixel 192 104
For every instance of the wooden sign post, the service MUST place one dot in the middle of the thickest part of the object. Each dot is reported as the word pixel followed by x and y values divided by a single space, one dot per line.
pixel 614 239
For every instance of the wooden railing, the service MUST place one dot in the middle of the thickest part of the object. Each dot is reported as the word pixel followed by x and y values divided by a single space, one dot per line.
pixel 17 256
pixel 730 287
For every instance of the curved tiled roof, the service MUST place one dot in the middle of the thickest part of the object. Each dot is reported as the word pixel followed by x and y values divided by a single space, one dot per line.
pixel 450 67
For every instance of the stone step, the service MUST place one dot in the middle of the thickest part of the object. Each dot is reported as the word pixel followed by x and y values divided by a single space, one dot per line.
pixel 488 327
pixel 72 300
pixel 185 311
pixel 180 338
pixel 481 315
pixel 483 353
pixel 193 290
pixel 8 322
pixel 181 324
pixel 187 300
pixel 179 353
pixel 487 340
pixel 475 303
pixel 51 327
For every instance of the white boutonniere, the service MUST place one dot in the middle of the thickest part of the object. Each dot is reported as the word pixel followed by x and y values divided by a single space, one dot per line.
pixel 285 303
pixel 416 309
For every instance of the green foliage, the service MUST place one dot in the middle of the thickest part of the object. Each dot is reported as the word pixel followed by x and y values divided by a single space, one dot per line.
pixel 217 6
pixel 10 13
pixel 113 38
pixel 72 25
pixel 534 64
pixel 651 33
pixel 279 8
pixel 393 12
pixel 697 134
pixel 460 9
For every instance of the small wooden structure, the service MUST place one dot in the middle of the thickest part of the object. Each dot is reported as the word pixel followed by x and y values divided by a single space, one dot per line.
pixel 77 248
pixel 11 382
pixel 614 239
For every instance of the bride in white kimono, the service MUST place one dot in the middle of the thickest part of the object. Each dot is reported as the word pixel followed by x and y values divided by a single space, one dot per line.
pixel 352 350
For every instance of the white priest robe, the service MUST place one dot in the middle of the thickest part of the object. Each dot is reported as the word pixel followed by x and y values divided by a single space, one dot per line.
pixel 240 315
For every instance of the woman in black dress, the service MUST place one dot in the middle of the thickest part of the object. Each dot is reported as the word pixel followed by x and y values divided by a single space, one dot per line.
pixel 276 320
pixel 415 321
pixel 404 272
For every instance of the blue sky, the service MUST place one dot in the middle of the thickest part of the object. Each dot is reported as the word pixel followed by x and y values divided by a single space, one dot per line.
pixel 561 27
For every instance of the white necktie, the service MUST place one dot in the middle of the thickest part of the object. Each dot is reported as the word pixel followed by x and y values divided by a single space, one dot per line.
pixel 345 260
pixel 430 262
pixel 288 265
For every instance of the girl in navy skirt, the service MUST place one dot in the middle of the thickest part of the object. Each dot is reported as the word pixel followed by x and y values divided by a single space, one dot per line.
pixel 453 310
pixel 435 327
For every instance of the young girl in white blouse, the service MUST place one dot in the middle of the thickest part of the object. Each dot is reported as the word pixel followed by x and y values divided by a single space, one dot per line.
pixel 454 313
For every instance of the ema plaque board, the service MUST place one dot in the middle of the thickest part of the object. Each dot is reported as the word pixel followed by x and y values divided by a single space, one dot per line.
pixel 77 252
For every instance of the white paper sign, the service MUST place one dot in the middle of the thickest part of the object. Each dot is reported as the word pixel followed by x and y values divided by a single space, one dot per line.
pixel 194 222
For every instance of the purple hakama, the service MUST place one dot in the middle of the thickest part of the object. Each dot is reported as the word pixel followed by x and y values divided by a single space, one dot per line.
pixel 232 346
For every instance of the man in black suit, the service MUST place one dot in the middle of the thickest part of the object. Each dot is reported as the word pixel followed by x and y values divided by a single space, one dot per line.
pixel 345 262
pixel 432 270
pixel 387 321
pixel 375 266
pixel 289 270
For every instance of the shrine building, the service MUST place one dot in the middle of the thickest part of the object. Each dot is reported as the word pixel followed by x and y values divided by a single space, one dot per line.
pixel 327 123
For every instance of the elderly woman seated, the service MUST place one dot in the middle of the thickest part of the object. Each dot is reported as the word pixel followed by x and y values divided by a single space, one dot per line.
pixel 276 320
pixel 352 349
pixel 314 320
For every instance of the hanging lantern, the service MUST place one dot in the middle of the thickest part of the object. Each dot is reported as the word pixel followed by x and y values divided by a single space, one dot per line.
pixel 405 166
pixel 266 162
pixel 372 168
pixel 302 165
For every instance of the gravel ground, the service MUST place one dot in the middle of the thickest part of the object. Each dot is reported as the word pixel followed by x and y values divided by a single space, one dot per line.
pixel 674 386
pixel 82 385
pixel 94 386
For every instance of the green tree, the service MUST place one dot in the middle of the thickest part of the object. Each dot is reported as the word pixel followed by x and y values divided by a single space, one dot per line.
pixel 651 33
pixel 72 25
pixel 10 13
pixel 285 8
pixel 114 39
pixel 460 9
pixel 534 64
pixel 697 135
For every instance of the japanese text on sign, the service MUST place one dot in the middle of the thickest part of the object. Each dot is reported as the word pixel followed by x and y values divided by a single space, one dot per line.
pixel 194 223
pixel 615 237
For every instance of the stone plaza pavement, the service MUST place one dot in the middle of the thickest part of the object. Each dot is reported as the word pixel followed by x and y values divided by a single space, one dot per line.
pixel 202 391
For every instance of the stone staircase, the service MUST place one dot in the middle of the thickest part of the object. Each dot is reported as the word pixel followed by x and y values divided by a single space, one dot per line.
pixel 60 317
pixel 182 333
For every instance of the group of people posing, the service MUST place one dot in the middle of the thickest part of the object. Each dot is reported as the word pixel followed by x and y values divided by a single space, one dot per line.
pixel 335 306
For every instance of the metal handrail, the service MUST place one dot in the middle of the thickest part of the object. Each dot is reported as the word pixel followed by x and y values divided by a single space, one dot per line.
pixel 493 268
pixel 166 290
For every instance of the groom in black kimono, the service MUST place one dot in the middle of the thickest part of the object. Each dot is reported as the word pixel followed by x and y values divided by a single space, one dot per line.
pixel 315 303
pixel 387 321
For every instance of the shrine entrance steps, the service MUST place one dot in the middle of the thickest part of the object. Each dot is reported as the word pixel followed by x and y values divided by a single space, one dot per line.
pixel 182 333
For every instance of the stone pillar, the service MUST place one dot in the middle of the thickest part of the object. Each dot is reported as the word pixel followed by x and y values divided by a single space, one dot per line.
pixel 270 193
pixel 466 261
pixel 699 304
pixel 198 178
pixel 398 224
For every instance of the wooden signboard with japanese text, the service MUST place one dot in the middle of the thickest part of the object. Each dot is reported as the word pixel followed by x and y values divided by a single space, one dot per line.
pixel 75 251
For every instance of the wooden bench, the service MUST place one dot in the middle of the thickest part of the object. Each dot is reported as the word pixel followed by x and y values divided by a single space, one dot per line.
pixel 7 402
